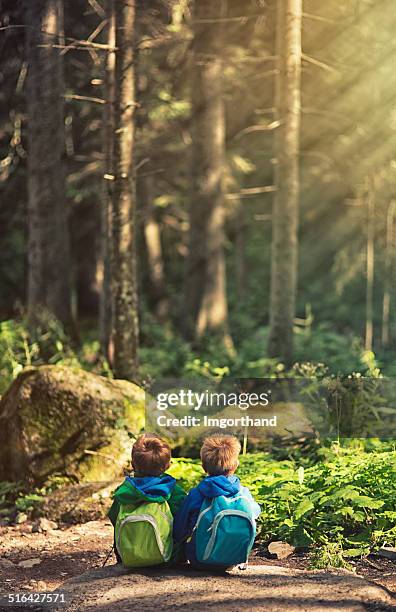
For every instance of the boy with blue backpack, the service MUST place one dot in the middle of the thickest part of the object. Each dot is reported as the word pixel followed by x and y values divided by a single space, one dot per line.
pixel 144 506
pixel 216 523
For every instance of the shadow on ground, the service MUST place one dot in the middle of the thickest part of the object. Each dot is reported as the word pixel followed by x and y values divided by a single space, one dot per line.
pixel 272 588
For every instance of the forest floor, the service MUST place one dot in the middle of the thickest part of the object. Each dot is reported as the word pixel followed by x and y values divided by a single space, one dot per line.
pixel 58 556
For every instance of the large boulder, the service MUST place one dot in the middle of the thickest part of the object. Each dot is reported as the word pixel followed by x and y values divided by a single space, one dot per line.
pixel 63 420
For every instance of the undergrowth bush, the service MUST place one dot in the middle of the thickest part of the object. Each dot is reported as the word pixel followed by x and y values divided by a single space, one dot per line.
pixel 21 347
pixel 44 343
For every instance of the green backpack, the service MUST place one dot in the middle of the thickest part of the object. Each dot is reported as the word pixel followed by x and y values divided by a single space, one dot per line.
pixel 143 534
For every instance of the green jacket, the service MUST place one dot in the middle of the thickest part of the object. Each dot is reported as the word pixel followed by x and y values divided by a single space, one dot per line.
pixel 150 488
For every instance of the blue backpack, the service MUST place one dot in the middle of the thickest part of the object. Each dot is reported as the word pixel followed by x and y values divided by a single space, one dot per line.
pixel 225 530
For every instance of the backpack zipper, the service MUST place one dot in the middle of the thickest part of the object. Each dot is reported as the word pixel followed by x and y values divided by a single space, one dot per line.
pixel 201 515
pixel 227 499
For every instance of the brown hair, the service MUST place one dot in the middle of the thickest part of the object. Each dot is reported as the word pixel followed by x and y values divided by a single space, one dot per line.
pixel 150 455
pixel 219 454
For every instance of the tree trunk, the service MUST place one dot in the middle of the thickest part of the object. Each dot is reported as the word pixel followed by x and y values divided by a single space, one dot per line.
pixel 105 310
pixel 152 236
pixel 241 268
pixel 389 260
pixel 368 344
pixel 285 210
pixel 124 281
pixel 206 276
pixel 48 246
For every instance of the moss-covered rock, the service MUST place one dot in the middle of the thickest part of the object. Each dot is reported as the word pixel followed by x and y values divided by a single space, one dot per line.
pixel 57 419
pixel 79 503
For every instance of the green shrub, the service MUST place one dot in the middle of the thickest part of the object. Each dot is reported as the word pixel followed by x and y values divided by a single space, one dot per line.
pixel 342 353
pixel 187 471
pixel 163 353
pixel 21 346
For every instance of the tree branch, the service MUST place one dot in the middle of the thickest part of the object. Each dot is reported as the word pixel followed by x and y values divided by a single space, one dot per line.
pixel 317 17
pixel 258 128
pixel 250 191
pixel 316 62
pixel 84 98
pixel 97 8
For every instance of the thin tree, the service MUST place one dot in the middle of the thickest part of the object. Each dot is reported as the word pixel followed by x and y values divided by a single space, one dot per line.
pixel 286 199
pixel 124 283
pixel 155 261
pixel 105 310
pixel 206 297
pixel 48 241
pixel 368 344
pixel 241 268
pixel 389 261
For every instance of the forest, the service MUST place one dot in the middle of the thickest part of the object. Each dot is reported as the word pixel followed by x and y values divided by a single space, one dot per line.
pixel 199 190
pixel 202 156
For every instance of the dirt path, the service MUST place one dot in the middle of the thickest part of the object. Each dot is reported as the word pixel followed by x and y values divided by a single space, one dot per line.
pixel 75 556
pixel 275 588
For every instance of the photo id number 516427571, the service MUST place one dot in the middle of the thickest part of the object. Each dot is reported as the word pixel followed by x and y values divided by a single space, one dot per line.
pixel 10 599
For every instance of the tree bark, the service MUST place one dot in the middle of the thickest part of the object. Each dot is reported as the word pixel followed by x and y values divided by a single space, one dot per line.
pixel 206 298
pixel 124 281
pixel 286 200
pixel 241 268
pixel 389 261
pixel 368 344
pixel 105 309
pixel 48 243
pixel 152 236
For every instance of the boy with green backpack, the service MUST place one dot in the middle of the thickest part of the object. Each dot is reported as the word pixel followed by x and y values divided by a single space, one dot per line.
pixel 144 506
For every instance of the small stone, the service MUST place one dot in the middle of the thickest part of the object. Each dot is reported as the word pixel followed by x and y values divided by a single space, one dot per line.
pixel 44 525
pixel 29 563
pixel 21 517
pixel 282 550
pixel 41 586
pixel 6 563
pixel 388 552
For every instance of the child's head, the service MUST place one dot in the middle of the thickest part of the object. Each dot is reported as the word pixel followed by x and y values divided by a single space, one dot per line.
pixel 150 455
pixel 219 455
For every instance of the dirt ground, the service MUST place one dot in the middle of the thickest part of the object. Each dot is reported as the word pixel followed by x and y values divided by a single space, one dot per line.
pixel 61 555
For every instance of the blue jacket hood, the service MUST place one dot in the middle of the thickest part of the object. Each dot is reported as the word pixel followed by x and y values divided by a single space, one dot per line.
pixel 213 486
pixel 153 487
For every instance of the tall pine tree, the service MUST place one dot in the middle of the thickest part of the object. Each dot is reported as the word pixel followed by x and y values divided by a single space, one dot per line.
pixel 123 216
pixel 206 297
pixel 286 201
pixel 48 250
